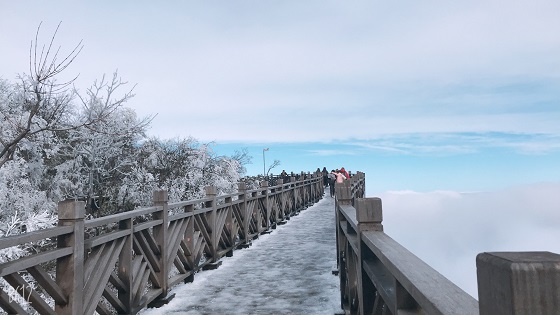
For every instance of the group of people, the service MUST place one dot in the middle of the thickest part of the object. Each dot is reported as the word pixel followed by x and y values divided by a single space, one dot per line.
pixel 334 176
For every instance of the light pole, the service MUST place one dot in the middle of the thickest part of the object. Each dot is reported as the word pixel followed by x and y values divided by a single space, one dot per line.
pixel 264 162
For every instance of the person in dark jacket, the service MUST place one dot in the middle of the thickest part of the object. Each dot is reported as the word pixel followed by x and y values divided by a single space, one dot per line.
pixel 331 178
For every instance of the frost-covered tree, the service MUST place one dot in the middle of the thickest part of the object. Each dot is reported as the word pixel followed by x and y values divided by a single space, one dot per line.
pixel 24 207
pixel 243 158
pixel 184 167
pixel 58 143
pixel 40 119
pixel 38 104
pixel 97 158
pixel 219 171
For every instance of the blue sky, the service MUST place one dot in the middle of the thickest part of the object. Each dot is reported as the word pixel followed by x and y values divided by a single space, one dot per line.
pixel 446 106
pixel 458 162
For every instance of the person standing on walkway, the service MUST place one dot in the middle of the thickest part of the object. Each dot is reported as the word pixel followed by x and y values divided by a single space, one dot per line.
pixel 340 177
pixel 345 173
pixel 284 176
pixel 325 177
pixel 331 179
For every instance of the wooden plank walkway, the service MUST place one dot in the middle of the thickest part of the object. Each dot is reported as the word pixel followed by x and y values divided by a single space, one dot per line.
pixel 285 272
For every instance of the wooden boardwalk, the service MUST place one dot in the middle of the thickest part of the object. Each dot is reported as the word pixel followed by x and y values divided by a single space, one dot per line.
pixel 286 272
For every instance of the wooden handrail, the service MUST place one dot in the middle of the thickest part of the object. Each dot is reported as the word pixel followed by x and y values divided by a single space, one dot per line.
pixel 431 291
pixel 31 237
pixel 114 218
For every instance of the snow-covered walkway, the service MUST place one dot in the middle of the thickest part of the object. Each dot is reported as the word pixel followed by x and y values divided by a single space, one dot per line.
pixel 285 272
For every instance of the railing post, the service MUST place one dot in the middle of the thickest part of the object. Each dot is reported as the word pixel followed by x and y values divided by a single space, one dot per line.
pixel 315 188
pixel 518 283
pixel 211 193
pixel 242 188
pixel 343 196
pixel 343 193
pixel 229 226
pixel 125 266
pixel 161 199
pixel 280 212
pixel 304 193
pixel 266 204
pixel 295 194
pixel 369 215
pixel 321 188
pixel 70 269
pixel 189 242
pixel 309 189
pixel 363 183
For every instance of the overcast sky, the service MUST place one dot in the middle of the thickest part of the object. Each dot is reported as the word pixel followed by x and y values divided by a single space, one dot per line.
pixel 424 96
pixel 240 71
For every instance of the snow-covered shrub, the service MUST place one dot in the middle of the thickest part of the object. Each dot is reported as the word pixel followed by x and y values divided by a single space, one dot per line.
pixel 24 208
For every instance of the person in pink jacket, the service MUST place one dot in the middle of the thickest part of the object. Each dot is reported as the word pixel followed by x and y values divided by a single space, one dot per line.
pixel 343 171
pixel 340 177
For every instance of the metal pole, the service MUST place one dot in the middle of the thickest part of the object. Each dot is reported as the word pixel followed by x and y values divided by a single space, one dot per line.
pixel 264 162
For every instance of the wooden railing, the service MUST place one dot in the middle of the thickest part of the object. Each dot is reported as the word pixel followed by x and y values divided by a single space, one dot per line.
pixel 123 262
pixel 380 276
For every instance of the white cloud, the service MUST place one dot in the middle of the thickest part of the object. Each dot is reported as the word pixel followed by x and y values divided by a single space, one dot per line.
pixel 448 229
pixel 228 73
pixel 439 144
pixel 331 152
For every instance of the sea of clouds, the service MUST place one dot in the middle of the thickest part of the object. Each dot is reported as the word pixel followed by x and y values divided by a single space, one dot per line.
pixel 448 229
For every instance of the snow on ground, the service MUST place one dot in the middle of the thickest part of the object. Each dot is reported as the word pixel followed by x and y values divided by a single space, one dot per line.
pixel 285 272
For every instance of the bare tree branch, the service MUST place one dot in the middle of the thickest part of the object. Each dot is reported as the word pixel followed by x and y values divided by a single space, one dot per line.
pixel 273 165
pixel 44 105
